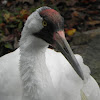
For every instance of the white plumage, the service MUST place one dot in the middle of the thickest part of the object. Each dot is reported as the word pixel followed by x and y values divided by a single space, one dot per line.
pixel 34 72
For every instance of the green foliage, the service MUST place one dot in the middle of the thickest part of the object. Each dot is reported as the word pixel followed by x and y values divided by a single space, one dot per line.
pixel 8 45
pixel 20 25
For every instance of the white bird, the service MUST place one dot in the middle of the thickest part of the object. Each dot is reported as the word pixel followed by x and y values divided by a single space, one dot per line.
pixel 35 72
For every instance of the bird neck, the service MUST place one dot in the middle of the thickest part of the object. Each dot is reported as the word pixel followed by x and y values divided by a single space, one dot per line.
pixel 35 76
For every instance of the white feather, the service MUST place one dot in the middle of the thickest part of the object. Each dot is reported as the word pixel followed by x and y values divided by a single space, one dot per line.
pixel 65 80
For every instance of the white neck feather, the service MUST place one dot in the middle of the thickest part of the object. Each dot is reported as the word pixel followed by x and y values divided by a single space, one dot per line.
pixel 36 80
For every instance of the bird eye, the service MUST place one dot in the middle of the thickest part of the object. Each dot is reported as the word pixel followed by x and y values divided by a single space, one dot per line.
pixel 44 23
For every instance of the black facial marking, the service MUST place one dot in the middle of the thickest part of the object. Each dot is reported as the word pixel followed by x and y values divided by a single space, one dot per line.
pixel 55 22
pixel 46 33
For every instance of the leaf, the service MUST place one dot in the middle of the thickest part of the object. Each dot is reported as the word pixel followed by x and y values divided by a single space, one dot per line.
pixel 93 12
pixel 23 12
pixel 18 8
pixel 9 4
pixel 5 11
pixel 12 18
pixel 8 45
pixel 6 31
pixel 32 9
pixel 25 16
pixel 8 38
pixel 93 22
pixel 20 25
pixel 75 13
pixel 70 32
pixel 2 24
pixel 6 16
pixel 1 20
pixel 71 2
pixel 12 26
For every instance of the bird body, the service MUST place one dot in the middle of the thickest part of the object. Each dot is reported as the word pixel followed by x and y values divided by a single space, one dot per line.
pixel 64 79
pixel 35 72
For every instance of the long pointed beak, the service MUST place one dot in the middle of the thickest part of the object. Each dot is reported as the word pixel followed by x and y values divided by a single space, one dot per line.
pixel 63 46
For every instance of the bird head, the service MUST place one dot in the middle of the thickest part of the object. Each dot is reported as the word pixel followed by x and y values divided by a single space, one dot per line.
pixel 48 25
